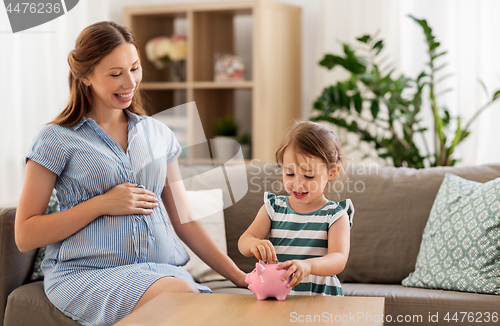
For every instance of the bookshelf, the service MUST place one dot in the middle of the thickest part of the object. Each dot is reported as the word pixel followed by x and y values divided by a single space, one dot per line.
pixel 267 35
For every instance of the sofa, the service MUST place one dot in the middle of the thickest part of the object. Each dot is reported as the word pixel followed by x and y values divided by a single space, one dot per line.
pixel 392 206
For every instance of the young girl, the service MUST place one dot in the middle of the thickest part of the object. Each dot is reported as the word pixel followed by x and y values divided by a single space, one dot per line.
pixel 308 233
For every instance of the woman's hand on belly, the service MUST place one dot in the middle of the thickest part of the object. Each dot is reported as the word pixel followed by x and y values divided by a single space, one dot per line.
pixel 127 199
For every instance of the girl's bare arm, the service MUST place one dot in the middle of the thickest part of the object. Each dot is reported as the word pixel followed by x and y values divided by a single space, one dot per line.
pixel 253 241
pixel 334 262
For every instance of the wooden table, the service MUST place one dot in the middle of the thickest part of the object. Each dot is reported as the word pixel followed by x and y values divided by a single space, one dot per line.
pixel 204 309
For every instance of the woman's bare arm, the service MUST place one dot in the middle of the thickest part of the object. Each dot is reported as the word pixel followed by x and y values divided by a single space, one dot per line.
pixel 192 233
pixel 34 229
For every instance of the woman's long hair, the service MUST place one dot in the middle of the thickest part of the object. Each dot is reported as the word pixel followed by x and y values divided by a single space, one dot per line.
pixel 92 45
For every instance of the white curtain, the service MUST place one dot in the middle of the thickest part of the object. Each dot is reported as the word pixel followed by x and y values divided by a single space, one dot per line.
pixel 33 78
pixel 468 29
pixel 34 84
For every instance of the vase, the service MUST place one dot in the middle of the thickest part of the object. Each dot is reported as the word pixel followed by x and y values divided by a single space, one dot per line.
pixel 178 71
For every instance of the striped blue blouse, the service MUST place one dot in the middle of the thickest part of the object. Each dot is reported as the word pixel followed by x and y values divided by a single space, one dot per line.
pixel 97 275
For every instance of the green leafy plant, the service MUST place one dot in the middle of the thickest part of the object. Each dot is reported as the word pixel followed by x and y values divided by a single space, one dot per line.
pixel 226 127
pixel 245 139
pixel 384 110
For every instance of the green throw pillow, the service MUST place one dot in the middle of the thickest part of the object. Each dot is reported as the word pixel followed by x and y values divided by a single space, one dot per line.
pixel 460 248
pixel 53 207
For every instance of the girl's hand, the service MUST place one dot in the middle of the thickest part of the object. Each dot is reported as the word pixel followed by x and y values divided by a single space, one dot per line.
pixel 127 199
pixel 297 268
pixel 263 250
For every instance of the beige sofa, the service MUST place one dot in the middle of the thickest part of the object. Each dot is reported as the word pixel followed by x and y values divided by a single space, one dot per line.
pixel 391 209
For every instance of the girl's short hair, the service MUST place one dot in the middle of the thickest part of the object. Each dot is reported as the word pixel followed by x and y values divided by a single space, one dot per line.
pixel 93 44
pixel 312 139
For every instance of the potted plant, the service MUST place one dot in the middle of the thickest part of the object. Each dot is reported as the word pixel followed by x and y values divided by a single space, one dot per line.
pixel 245 141
pixel 169 52
pixel 224 143
pixel 385 110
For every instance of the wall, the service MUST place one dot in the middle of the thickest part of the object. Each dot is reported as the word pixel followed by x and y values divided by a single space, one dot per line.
pixel 467 29
pixel 33 83
pixel 311 12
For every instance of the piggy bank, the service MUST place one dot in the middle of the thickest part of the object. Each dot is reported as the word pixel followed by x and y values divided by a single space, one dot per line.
pixel 265 281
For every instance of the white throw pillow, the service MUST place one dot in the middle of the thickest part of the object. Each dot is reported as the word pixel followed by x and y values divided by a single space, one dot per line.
pixel 209 204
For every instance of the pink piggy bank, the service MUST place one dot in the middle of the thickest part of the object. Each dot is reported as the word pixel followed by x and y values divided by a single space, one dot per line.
pixel 265 281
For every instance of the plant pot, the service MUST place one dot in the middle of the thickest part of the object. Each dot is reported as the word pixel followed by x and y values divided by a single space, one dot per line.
pixel 224 148
pixel 246 149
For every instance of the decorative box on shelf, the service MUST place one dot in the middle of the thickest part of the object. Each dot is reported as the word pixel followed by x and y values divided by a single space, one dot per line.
pixel 229 68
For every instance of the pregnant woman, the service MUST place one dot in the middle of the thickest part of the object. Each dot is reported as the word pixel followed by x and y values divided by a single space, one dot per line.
pixel 112 247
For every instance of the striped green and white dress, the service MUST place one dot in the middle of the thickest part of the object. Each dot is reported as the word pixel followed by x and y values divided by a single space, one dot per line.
pixel 305 235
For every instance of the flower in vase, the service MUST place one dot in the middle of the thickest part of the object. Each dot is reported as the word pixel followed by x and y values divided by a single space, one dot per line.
pixel 178 48
pixel 161 50
pixel 158 50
